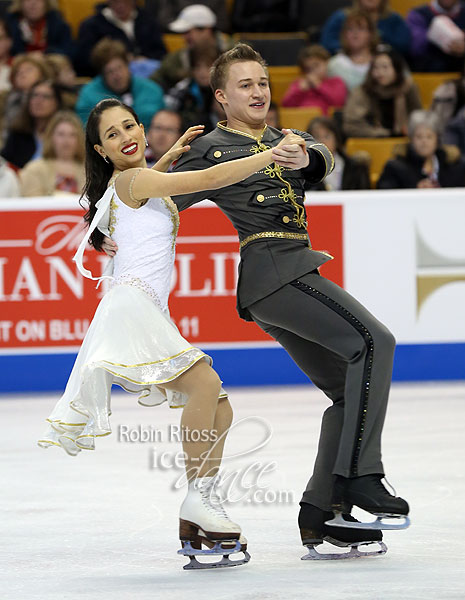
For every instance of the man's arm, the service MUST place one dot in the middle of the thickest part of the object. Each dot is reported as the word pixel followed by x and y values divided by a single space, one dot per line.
pixel 316 163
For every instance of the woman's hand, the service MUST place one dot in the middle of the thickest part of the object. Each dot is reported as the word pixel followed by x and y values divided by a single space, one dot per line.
pixel 182 145
pixel 109 246
pixel 291 152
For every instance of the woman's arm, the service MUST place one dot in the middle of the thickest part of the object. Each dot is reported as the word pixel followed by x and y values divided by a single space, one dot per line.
pixel 147 183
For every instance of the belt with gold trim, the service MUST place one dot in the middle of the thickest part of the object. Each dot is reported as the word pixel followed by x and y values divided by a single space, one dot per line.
pixel 286 235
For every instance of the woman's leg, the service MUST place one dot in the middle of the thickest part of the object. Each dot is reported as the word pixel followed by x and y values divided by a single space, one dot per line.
pixel 201 416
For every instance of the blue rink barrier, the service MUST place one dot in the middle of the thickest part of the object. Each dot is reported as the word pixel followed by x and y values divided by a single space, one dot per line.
pixel 240 367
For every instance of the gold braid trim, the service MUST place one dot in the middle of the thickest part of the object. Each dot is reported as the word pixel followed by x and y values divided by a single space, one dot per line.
pixel 287 235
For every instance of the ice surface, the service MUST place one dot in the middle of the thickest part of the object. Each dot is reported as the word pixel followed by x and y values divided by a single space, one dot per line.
pixel 104 524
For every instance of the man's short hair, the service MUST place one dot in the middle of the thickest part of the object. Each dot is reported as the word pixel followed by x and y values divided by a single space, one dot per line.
pixel 240 53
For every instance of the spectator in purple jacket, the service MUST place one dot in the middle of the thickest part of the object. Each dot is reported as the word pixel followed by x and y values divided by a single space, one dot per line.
pixel 426 55
pixel 314 87
pixel 392 28
pixel 124 21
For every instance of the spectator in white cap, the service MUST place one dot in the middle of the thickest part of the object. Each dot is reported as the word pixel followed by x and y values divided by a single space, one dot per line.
pixel 197 23
pixel 168 10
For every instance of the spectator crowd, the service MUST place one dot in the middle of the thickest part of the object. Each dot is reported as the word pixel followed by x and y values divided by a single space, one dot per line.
pixel 356 72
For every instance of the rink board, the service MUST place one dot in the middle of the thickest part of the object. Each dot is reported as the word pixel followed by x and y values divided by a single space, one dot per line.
pixel 401 253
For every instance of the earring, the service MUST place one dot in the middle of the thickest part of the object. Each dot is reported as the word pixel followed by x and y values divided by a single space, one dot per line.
pixel 146 142
pixel 105 158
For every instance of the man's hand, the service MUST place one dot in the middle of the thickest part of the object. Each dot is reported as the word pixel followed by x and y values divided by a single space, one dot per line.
pixel 291 155
pixel 109 246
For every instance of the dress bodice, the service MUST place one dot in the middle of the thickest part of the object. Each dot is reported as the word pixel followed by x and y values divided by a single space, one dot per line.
pixel 146 239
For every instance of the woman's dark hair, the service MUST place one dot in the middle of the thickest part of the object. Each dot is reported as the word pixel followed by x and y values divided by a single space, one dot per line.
pixel 398 63
pixel 25 122
pixel 98 171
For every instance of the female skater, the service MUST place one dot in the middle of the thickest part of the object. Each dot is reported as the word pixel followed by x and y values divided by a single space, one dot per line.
pixel 131 341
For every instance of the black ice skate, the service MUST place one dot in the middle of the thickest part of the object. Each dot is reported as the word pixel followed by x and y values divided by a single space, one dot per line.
pixel 368 493
pixel 314 531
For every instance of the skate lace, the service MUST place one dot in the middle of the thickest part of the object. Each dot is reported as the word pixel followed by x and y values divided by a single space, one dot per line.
pixel 394 493
pixel 212 500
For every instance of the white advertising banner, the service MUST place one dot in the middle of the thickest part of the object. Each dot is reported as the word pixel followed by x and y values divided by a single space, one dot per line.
pixel 404 258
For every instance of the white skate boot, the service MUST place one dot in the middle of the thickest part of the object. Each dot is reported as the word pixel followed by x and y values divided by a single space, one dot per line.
pixel 203 520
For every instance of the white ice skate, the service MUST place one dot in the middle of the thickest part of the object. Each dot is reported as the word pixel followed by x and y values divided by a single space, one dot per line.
pixel 203 520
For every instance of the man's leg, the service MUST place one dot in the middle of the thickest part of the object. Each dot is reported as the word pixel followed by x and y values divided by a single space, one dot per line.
pixel 328 372
pixel 319 311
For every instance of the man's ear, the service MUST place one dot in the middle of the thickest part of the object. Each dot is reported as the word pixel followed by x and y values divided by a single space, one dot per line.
pixel 220 97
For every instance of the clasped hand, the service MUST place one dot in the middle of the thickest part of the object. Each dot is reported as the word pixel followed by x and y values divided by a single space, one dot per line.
pixel 291 152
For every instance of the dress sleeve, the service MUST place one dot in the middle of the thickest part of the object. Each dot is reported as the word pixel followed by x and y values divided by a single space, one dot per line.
pixel 194 160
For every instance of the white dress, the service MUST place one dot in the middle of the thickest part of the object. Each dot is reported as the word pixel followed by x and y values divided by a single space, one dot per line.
pixel 131 340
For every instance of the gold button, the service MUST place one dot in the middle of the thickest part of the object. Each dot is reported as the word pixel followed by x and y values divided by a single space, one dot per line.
pixel 217 154
pixel 286 219
pixel 260 198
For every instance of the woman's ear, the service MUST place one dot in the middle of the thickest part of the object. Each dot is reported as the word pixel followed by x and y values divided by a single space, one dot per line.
pixel 99 150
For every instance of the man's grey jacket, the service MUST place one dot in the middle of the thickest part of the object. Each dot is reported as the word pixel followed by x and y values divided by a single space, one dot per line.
pixel 267 209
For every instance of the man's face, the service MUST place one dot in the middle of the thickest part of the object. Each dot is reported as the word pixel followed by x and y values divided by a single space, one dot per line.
pixel 246 95
pixel 201 74
pixel 198 35
pixel 447 4
pixel 122 9
pixel 116 75
pixel 163 132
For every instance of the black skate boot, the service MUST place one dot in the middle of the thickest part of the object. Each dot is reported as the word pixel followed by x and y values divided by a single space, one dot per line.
pixel 368 493
pixel 314 531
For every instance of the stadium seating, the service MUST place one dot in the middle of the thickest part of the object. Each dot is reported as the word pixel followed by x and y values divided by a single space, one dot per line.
pixel 428 82
pixel 298 118
pixel 379 150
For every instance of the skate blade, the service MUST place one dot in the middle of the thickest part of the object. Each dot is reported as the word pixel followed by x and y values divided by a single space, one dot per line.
pixel 354 552
pixel 225 561
pixel 378 524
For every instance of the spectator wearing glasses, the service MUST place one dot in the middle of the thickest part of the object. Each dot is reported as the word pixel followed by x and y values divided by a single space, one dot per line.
pixel 111 60
pixel 165 129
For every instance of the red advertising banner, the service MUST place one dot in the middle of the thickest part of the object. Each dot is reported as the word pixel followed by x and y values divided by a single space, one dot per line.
pixel 46 304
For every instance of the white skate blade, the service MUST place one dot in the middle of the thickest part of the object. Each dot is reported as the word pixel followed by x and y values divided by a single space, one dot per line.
pixel 379 524
pixel 217 549
pixel 354 552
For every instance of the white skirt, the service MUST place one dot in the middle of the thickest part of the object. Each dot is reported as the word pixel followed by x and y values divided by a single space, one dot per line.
pixel 130 342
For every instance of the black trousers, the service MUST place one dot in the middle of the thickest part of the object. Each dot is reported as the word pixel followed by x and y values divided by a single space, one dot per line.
pixel 348 354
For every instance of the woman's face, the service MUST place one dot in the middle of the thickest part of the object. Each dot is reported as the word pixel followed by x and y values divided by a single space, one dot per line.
pixel 26 76
pixel 121 138
pixel 33 10
pixel 357 36
pixel 370 5
pixel 65 140
pixel 325 136
pixel 424 141
pixel 383 70
pixel 42 102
